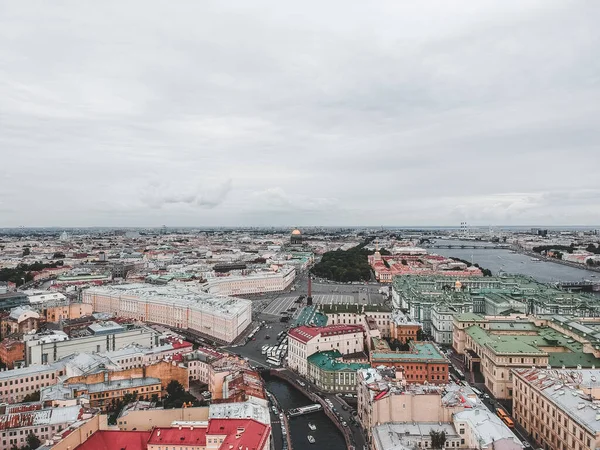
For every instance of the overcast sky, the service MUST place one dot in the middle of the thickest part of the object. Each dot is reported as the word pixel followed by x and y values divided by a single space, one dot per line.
pixel 123 113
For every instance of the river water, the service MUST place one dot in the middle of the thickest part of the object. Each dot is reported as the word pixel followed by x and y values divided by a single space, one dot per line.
pixel 498 260
pixel 327 435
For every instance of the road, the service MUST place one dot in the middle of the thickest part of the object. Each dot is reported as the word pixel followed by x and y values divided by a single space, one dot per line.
pixel 490 403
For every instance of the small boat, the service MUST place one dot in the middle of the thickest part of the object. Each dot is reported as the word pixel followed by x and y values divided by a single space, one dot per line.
pixel 535 259
pixel 311 439
pixel 312 426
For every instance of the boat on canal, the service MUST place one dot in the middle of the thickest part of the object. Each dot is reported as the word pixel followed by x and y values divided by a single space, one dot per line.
pixel 311 439
pixel 312 426
pixel 304 410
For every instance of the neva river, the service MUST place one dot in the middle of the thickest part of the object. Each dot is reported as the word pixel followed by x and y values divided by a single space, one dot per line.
pixel 505 261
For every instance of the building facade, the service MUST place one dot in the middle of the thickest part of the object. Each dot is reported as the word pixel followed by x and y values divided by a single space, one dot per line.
pixel 305 341
pixel 252 284
pixel 219 318
pixel 558 408
pixel 48 348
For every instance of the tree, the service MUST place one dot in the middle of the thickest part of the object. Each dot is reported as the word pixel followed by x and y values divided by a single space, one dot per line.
pixel 438 439
pixel 174 388
pixel 33 442
pixel 420 334
pixel 26 251
pixel 33 397
pixel 404 262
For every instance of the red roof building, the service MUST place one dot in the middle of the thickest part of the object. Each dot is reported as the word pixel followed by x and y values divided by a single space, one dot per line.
pixel 305 341
pixel 178 436
pixel 306 333
pixel 116 440
pixel 239 433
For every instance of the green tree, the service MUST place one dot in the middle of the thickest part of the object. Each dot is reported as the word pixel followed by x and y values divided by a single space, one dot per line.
pixel 26 251
pixel 174 388
pixel 33 441
pixel 438 439
pixel 33 397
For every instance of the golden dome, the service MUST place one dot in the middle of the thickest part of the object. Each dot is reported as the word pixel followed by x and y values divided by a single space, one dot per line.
pixel 296 232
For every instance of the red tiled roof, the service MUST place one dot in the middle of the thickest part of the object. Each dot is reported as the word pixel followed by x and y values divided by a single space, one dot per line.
pixel 244 433
pixel 305 333
pixel 116 440
pixel 175 436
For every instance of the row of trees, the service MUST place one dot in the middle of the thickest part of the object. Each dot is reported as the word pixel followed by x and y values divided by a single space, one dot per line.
pixel 25 271
pixel 485 272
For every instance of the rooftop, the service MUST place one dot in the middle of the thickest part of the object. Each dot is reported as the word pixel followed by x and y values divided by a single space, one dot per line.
pixel 305 333
pixel 420 351
pixel 192 436
pixel 570 391
pixel 110 440
pixel 182 295
pixel 331 361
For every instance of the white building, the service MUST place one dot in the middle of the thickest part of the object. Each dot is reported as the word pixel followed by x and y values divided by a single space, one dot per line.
pixel 254 283
pixel 442 324
pixel 18 421
pixel 482 429
pixel 39 298
pixel 179 306
pixel 48 348
pixel 304 341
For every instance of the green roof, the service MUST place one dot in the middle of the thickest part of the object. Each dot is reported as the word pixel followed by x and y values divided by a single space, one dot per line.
pixel 573 359
pixel 329 361
pixel 499 343
pixel 420 351
pixel 468 317
pixel 310 316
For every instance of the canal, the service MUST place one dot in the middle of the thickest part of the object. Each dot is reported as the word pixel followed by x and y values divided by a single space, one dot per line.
pixel 502 260
pixel 327 436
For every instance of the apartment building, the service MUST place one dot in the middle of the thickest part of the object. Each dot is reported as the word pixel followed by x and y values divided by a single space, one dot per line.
pixel 199 363
pixel 496 345
pixel 364 315
pixel 17 383
pixel 423 362
pixel 22 319
pixel 558 408
pixel 104 388
pixel 218 318
pixel 67 312
pixel 330 373
pixel 306 340
pixel 403 328
pixel 442 323
pixel 48 347
pixel 384 397
pixel 18 421
pixel 12 351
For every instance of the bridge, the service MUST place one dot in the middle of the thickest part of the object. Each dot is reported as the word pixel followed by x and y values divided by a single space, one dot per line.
pixel 472 246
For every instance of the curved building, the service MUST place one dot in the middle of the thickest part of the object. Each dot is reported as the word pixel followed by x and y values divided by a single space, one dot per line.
pixel 219 318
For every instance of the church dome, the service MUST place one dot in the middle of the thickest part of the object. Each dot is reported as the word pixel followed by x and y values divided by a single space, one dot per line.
pixel 296 232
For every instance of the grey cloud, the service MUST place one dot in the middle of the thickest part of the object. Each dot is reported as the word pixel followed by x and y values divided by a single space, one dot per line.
pixel 391 112
pixel 157 194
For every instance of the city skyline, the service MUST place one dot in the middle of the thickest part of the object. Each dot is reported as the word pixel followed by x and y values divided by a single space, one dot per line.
pixel 139 115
